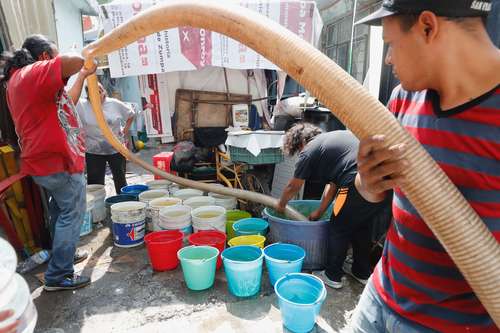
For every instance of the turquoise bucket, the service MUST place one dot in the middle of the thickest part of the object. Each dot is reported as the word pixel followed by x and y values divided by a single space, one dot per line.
pixel 198 266
pixel 250 226
pixel 282 259
pixel 300 297
pixel 243 267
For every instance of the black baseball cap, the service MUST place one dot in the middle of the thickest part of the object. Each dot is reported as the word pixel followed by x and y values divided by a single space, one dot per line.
pixel 446 8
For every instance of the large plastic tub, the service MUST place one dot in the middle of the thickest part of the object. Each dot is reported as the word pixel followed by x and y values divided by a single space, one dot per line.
pixel 312 236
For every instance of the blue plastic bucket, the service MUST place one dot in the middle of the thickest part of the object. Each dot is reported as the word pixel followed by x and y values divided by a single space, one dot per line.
pixel 243 267
pixel 250 226
pixel 134 190
pixel 300 297
pixel 198 266
pixel 129 223
pixel 282 259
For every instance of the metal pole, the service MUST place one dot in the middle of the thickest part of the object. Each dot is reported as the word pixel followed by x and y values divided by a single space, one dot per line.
pixel 351 44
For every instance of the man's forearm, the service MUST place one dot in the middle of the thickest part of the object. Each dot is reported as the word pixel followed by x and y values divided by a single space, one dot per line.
pixel 76 89
pixel 327 197
pixel 368 196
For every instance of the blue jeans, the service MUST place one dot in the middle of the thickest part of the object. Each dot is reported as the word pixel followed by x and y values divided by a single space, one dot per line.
pixel 372 315
pixel 67 205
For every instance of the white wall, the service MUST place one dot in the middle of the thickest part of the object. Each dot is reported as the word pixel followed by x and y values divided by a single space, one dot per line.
pixel 68 25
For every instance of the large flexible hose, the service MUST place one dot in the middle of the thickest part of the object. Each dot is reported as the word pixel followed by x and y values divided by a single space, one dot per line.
pixel 466 238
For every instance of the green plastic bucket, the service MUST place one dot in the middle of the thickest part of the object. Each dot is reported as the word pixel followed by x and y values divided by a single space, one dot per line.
pixel 233 216
pixel 198 266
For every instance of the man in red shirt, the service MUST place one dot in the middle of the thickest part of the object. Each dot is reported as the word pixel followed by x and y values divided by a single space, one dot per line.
pixel 449 100
pixel 52 144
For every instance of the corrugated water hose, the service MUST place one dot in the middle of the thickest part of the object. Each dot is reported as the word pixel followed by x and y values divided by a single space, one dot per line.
pixel 457 226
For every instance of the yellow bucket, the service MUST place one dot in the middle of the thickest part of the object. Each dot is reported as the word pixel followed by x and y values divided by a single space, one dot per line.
pixel 255 240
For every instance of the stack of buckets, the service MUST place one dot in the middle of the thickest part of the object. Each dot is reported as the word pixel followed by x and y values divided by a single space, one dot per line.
pixel 209 218
pixel 176 218
pixel 15 293
pixel 229 203
pixel 156 205
pixel 86 227
pixel 147 197
pixel 98 191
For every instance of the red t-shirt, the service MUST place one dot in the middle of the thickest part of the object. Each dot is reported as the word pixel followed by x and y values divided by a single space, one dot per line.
pixel 49 130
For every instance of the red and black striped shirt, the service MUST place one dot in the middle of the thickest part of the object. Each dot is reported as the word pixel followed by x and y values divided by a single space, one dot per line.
pixel 415 276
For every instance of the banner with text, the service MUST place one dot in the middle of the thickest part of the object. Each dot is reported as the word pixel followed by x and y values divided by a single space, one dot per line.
pixel 187 48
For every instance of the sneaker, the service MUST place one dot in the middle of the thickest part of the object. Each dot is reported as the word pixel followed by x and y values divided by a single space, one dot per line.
pixel 68 283
pixel 80 255
pixel 326 280
pixel 347 268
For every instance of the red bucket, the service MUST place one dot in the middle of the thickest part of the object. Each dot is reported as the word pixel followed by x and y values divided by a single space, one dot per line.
pixel 213 238
pixel 162 249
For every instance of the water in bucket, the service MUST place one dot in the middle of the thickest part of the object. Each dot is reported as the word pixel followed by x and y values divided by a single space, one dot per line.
pixel 198 266
pixel 300 297
pixel 251 226
pixel 282 259
pixel 243 267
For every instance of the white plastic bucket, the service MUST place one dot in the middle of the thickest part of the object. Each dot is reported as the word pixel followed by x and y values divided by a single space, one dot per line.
pixel 176 217
pixel 229 203
pixel 86 227
pixel 187 193
pixel 129 223
pixel 8 263
pixel 197 202
pixel 99 193
pixel 21 303
pixel 146 197
pixel 156 205
pixel 160 184
pixel 209 218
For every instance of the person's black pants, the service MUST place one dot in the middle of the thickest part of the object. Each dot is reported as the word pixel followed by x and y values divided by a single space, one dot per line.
pixel 351 223
pixel 96 169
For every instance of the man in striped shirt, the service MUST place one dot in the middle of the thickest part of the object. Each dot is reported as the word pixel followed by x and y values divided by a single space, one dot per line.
pixel 449 100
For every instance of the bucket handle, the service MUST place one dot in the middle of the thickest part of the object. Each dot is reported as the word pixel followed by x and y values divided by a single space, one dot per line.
pixel 202 260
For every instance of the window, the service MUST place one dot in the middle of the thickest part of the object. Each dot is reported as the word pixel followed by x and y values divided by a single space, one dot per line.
pixel 337 39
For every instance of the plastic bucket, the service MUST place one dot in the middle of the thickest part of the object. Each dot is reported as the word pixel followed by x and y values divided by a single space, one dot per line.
pixel 282 259
pixel 129 223
pixel 86 227
pixel 8 264
pixel 233 216
pixel 250 226
pixel 225 201
pixel 175 217
pixel 116 199
pixel 21 303
pixel 213 238
pixel 312 236
pixel 186 232
pixel 209 218
pixel 253 240
pixel 162 249
pixel 300 297
pixel 147 197
pixel 187 193
pixel 160 184
pixel 156 205
pixel 134 190
pixel 201 201
pixel 98 191
pixel 198 266
pixel 243 267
